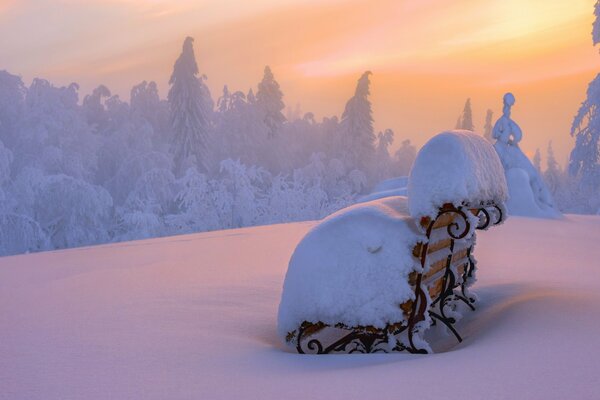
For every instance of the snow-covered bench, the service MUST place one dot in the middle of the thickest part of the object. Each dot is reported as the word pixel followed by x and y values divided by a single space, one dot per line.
pixel 375 276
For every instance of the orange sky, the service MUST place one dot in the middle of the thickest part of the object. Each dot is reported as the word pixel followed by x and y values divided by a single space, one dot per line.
pixel 427 56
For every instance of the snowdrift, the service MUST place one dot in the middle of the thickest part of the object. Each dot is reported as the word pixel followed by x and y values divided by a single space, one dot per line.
pixel 194 317
pixel 387 188
pixel 528 195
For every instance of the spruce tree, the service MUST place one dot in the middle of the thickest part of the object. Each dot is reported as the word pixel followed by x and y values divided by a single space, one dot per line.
pixel 466 120
pixel 553 171
pixel 358 137
pixel 269 99
pixel 190 111
pixel 537 160
pixel 487 128
pixel 585 157
pixel 405 157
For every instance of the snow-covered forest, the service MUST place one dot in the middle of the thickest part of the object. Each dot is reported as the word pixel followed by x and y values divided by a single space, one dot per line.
pixel 85 169
pixel 79 171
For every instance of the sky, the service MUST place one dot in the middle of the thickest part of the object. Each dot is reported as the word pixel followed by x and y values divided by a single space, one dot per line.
pixel 427 56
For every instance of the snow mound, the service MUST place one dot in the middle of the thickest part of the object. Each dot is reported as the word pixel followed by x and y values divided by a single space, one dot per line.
pixel 452 167
pixel 521 200
pixel 387 188
pixel 528 195
pixel 391 184
pixel 352 268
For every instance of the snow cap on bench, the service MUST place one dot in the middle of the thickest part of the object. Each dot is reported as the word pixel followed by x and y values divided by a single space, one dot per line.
pixel 352 268
pixel 454 167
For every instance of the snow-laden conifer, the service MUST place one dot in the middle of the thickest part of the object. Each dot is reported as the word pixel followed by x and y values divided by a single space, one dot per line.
pixel 465 121
pixel 269 99
pixel 357 125
pixel 487 128
pixel 190 111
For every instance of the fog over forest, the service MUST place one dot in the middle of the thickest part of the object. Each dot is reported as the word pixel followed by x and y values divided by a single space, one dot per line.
pixel 84 169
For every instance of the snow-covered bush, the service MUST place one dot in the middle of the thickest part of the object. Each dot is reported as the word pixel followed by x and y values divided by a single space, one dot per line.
pixel 72 212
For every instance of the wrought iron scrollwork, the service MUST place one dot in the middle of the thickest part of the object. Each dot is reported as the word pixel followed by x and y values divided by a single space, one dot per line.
pixel 485 213
pixel 357 340
pixel 455 231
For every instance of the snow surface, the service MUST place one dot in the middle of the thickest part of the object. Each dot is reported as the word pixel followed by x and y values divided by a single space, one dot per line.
pixel 194 317
pixel 352 268
pixel 452 167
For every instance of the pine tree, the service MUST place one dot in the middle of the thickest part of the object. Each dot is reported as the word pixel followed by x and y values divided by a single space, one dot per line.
pixel 269 99
pixel 224 102
pixel 357 126
pixel 596 25
pixel 585 157
pixel 405 157
pixel 466 119
pixel 586 130
pixel 553 171
pixel 384 140
pixel 458 123
pixel 537 160
pixel 190 111
pixel 487 128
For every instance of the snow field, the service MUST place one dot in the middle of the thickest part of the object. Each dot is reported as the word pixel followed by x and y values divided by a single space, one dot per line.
pixel 194 317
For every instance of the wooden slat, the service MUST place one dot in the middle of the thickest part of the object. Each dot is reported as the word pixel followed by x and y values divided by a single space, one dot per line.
pixel 441 264
pixel 442 244
pixel 407 308
pixel 437 266
pixel 433 247
pixel 435 288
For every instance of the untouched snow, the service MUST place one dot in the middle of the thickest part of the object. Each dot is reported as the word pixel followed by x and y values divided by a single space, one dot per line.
pixel 194 317
pixel 452 167
pixel 352 268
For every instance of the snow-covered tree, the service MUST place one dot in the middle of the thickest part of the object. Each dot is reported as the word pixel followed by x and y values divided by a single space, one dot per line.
pixel 240 131
pixel 586 130
pixel 54 134
pixel 21 234
pixel 465 121
pixel 596 25
pixel 384 162
pixel 12 99
pixel 94 110
pixel 553 173
pixel 190 111
pixel 147 106
pixel 72 212
pixel 202 203
pixel 247 186
pixel 537 160
pixel 487 128
pixel 269 99
pixel 405 157
pixel 358 138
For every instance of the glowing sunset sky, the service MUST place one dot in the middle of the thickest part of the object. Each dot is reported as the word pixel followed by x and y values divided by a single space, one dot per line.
pixel 427 56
